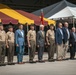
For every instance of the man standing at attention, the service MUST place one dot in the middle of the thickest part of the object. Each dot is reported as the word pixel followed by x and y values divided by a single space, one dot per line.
pixel 66 38
pixel 31 38
pixel 50 38
pixel 19 38
pixel 2 45
pixel 72 43
pixel 40 42
pixel 10 45
pixel 59 42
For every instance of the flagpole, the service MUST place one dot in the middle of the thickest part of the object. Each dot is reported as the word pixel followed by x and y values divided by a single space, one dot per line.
pixel 42 21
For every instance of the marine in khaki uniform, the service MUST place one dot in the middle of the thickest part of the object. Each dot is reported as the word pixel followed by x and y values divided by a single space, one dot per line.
pixel 31 38
pixel 2 45
pixel 50 38
pixel 10 45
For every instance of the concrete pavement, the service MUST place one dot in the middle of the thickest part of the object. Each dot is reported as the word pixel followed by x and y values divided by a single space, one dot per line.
pixel 67 67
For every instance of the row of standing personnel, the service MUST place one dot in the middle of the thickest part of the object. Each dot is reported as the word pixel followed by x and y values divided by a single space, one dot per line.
pixel 58 39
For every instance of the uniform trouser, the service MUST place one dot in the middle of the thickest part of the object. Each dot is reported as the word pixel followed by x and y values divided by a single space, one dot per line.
pixel 72 50
pixel 10 55
pixel 51 50
pixel 20 53
pixel 66 46
pixel 40 52
pixel 32 50
pixel 60 51
pixel 2 52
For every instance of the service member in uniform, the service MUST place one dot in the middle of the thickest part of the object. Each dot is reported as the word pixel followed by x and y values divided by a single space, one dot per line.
pixel 10 45
pixel 31 38
pixel 2 45
pixel 41 43
pixel 50 38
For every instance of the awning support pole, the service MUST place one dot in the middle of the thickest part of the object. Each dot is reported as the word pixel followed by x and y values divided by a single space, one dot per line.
pixel 27 32
pixel 73 22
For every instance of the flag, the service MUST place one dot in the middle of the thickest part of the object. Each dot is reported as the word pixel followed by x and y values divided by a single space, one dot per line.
pixel 42 17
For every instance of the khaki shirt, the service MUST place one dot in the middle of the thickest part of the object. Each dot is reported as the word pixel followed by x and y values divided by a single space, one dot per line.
pixel 10 37
pixel 2 36
pixel 50 34
pixel 31 35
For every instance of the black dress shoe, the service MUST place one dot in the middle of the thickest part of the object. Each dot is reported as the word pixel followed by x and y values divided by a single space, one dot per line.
pixel 59 59
pixel 3 64
pixel 51 60
pixel 72 58
pixel 32 61
pixel 0 65
pixel 41 61
pixel 11 63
